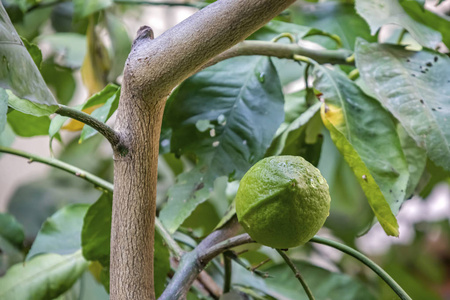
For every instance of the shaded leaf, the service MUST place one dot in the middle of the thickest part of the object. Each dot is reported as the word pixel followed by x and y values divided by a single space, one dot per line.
pixel 44 277
pixel 18 72
pixel 11 233
pixel 84 8
pixel 96 233
pixel 415 88
pixel 381 12
pixel 61 233
pixel 242 99
pixel 70 48
pixel 34 52
pixel 322 283
pixel 102 114
pixel 121 45
pixel 59 79
pixel 360 127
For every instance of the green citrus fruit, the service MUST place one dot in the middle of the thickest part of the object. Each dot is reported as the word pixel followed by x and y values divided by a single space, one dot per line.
pixel 282 201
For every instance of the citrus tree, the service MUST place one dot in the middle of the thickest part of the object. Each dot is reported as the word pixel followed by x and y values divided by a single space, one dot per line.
pixel 196 108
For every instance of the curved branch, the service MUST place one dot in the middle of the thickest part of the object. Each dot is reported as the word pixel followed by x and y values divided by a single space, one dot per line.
pixel 195 261
pixel 283 51
pixel 367 261
pixel 110 134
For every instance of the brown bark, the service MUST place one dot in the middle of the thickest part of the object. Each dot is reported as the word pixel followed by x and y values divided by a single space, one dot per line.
pixel 153 69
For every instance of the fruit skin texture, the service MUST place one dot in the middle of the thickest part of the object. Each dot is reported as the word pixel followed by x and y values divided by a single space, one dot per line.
pixel 282 201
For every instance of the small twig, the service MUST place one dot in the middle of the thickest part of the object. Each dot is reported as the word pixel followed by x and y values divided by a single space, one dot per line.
pixel 236 259
pixel 227 276
pixel 110 134
pixel 365 260
pixel 218 248
pixel 154 3
pixel 260 264
pixel 297 274
pixel 170 242
pixel 97 181
pixel 284 35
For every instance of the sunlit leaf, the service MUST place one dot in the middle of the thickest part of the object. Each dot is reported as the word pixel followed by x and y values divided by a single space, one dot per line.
pixel 415 88
pixel 360 127
pixel 28 125
pixel 44 277
pixel 381 12
pixel 61 233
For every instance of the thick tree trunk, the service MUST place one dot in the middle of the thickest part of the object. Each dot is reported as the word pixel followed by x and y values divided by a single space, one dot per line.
pixel 153 69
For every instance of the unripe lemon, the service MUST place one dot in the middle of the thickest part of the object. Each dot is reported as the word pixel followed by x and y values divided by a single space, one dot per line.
pixel 282 201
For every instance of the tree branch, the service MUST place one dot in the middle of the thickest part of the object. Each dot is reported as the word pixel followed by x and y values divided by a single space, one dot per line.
pixel 195 261
pixel 283 51
pixel 109 133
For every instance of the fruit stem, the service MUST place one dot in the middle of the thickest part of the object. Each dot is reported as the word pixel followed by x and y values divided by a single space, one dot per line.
pixel 297 273
pixel 365 260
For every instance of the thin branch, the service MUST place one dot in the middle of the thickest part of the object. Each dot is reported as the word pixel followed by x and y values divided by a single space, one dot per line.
pixel 110 134
pixel 283 51
pixel 365 260
pixel 297 274
pixel 227 276
pixel 97 181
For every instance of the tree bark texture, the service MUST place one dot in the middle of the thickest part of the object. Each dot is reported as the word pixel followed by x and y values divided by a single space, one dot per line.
pixel 153 69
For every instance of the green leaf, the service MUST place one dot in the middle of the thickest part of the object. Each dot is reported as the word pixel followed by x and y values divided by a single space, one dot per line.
pixel 360 127
pixel 84 8
pixel 242 99
pixel 415 88
pixel 96 233
pixel 28 107
pixel 59 79
pixel 61 233
pixel 69 47
pixel 18 72
pixel 11 233
pixel 3 109
pixel 161 264
pixel 416 158
pixel 322 283
pixel 335 17
pixel 381 12
pixel 44 277
pixel 34 51
pixel 102 114
pixel 28 125
pixel 439 23
pixel 121 45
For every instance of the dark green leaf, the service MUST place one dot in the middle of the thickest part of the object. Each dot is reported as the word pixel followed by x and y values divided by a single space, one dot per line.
pixel 381 12
pixel 161 264
pixel 61 233
pixel 18 72
pixel 11 233
pixel 28 125
pixel 34 51
pixel 322 283
pixel 59 79
pixel 360 127
pixel 96 233
pixel 334 17
pixel 439 23
pixel 242 99
pixel 44 277
pixel 415 88
pixel 84 8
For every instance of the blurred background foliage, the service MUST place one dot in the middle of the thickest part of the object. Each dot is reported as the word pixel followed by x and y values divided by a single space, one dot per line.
pixel 84 47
